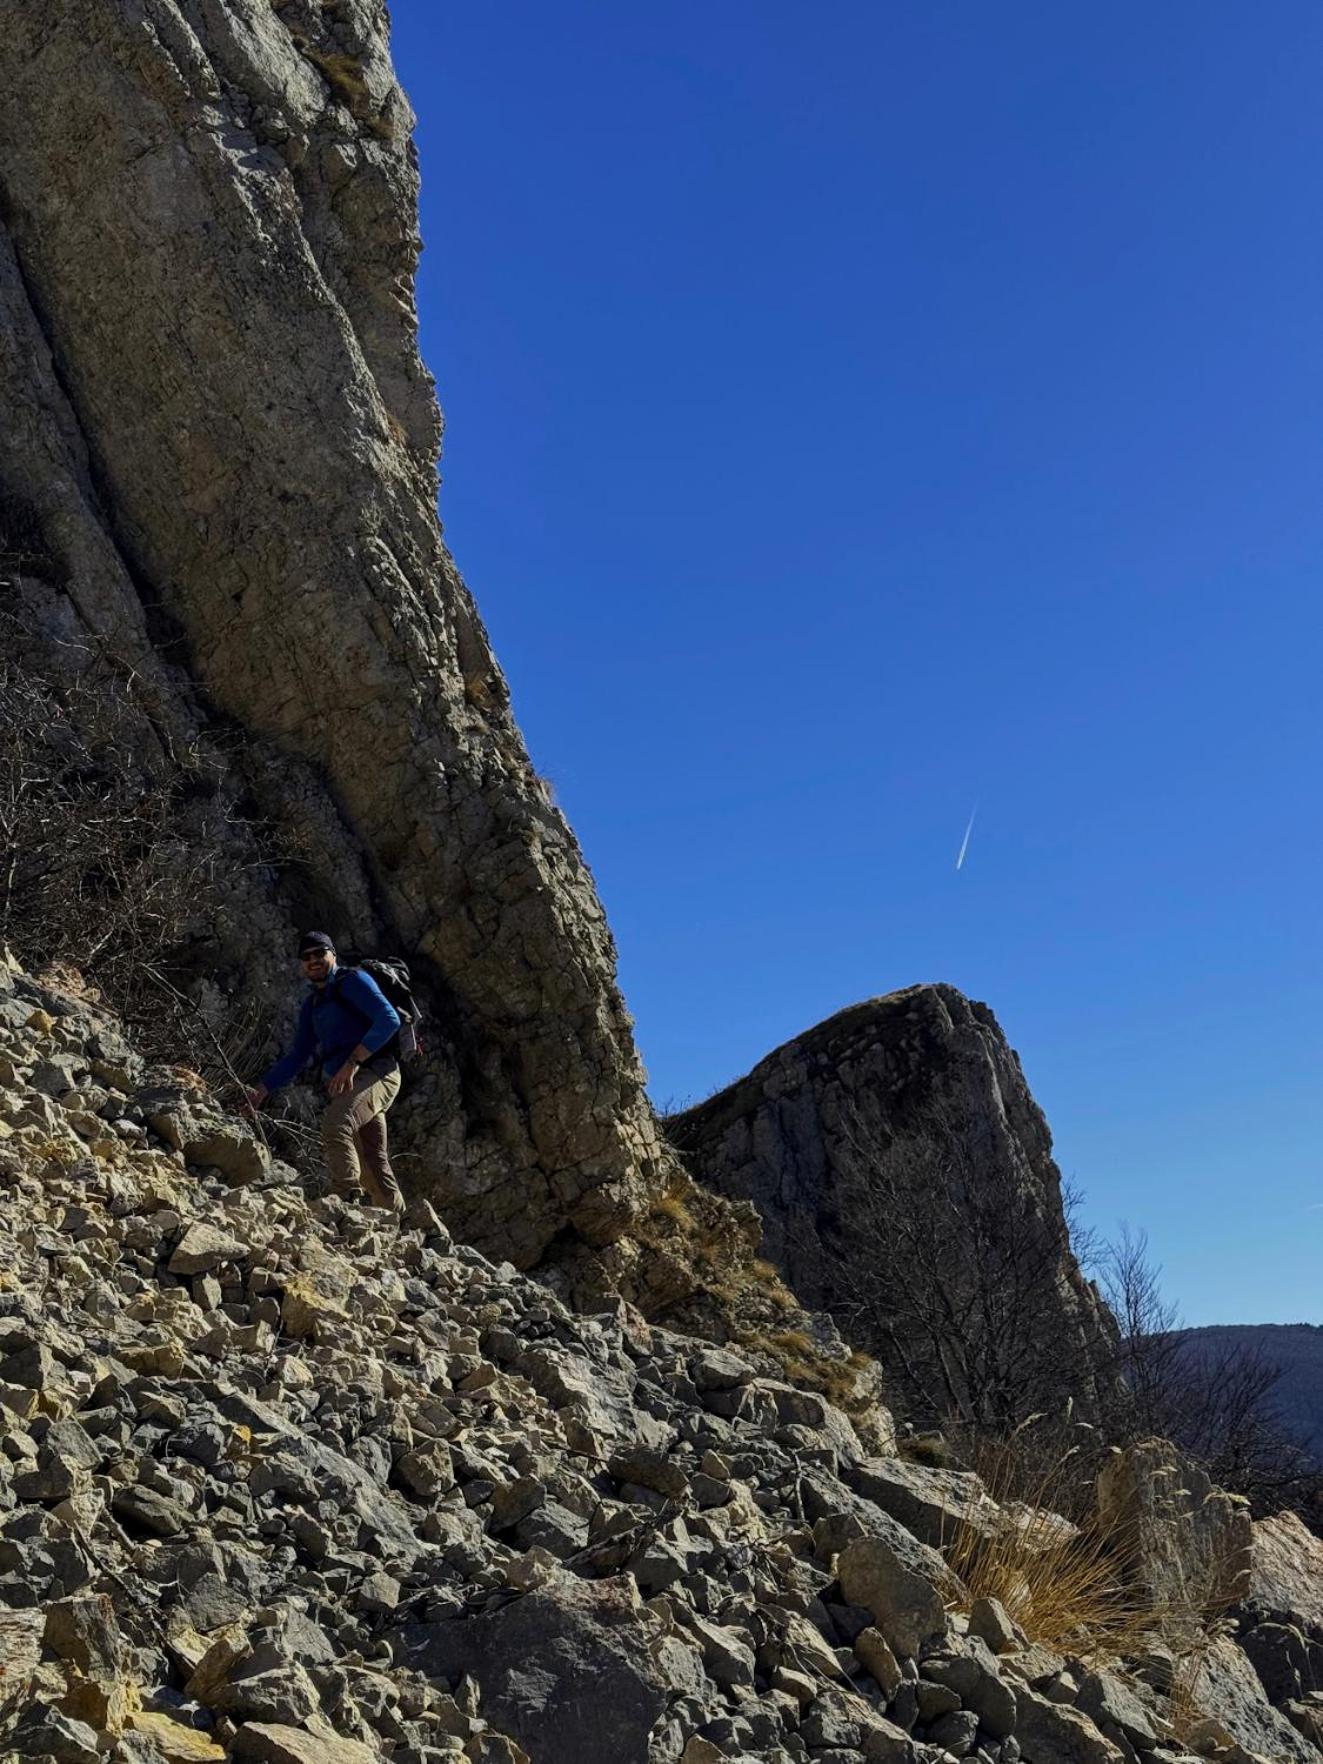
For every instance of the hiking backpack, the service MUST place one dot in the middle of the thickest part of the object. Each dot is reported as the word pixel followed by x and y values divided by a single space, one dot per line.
pixel 391 974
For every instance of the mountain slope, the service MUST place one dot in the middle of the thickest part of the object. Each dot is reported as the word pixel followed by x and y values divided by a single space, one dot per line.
pixel 280 1482
pixel 1297 1350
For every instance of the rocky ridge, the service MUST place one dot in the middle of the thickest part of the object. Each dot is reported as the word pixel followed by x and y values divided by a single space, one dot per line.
pixel 280 1482
pixel 805 1138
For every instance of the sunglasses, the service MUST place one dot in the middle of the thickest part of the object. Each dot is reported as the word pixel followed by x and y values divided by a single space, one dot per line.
pixel 317 955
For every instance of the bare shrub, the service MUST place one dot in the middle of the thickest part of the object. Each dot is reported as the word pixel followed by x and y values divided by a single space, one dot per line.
pixel 1213 1399
pixel 949 1266
pixel 120 853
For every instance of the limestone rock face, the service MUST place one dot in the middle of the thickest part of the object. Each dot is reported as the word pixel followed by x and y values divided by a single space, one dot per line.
pixel 908 1114
pixel 1192 1541
pixel 1286 1572
pixel 218 424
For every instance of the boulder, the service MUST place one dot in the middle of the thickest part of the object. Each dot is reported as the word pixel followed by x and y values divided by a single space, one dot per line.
pixel 989 1621
pixel 936 1505
pixel 898 1587
pixel 263 1742
pixel 172 1742
pixel 1286 1572
pixel 566 1670
pixel 973 1676
pixel 1226 1689
pixel 1052 1733
pixel 1189 1542
pixel 1110 1703
pixel 1284 1659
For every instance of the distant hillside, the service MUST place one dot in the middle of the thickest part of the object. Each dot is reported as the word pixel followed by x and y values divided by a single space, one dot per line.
pixel 1297 1348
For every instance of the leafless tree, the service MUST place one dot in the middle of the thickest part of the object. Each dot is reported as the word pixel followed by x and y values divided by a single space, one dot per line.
pixel 117 856
pixel 1213 1398
pixel 940 1256
pixel 1147 1345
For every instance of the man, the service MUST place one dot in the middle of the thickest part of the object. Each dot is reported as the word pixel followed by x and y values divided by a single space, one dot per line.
pixel 347 1023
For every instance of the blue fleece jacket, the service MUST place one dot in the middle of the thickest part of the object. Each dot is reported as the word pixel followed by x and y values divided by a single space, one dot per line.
pixel 350 1008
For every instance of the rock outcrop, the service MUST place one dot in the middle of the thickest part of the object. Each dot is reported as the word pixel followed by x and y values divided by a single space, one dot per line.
pixel 898 1144
pixel 220 449
pixel 1280 1623
pixel 280 1481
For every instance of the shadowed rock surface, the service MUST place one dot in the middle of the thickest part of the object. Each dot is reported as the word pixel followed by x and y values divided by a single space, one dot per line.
pixel 839 1138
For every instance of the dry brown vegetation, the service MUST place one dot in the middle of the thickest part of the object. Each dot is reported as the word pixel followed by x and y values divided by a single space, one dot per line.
pixel 757 1312
pixel 1062 1566
pixel 121 851
pixel 1064 1582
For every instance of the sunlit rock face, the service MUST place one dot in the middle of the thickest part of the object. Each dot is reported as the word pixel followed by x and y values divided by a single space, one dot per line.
pixel 219 427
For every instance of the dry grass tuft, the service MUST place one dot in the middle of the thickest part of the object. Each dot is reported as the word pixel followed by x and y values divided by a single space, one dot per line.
pixel 1065 1584
pixel 673 1206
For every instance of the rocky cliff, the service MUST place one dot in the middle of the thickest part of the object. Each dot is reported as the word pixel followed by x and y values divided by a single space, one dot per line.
pixel 905 1179
pixel 280 1482
pixel 218 476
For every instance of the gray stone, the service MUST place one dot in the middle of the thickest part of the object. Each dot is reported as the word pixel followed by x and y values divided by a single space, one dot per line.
pixel 877 1657
pixel 379 1593
pixel 1105 1699
pixel 55 1075
pixel 1286 1572
pixel 204 1247
pixel 934 1699
pixel 1191 1541
pixel 45 1733
pixel 1051 1733
pixel 1227 1689
pixel 907 1607
pixel 266 1742
pixel 514 1501
pixel 648 1468
pixel 936 1505
pixel 565 1670
pixel 956 1733
pixel 142 1509
pixel 832 1721
pixel 65 1461
pixel 210 1603
pixel 989 1621
pixel 973 1675
pixel 727 1651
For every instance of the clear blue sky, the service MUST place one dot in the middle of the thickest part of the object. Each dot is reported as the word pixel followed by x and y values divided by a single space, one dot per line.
pixel 861 411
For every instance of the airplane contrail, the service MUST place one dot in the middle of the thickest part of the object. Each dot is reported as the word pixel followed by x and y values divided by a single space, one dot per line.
pixel 964 843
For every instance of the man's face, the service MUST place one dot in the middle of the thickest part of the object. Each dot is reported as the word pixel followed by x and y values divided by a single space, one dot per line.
pixel 317 965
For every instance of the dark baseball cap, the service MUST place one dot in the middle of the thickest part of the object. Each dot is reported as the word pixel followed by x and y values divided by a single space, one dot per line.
pixel 312 941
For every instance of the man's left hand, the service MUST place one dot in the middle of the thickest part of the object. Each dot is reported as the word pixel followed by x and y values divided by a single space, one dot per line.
pixel 342 1081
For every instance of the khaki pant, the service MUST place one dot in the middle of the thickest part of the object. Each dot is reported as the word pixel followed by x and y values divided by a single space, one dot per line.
pixel 354 1139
